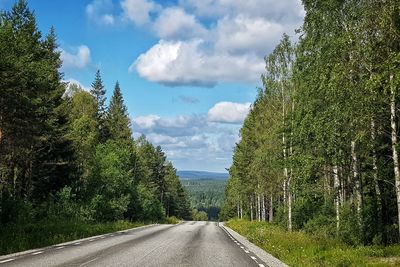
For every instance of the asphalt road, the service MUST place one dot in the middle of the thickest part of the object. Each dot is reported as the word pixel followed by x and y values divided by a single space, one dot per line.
pixel 184 244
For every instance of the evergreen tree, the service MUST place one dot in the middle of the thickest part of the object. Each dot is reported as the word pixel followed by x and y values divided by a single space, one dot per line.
pixel 99 92
pixel 117 119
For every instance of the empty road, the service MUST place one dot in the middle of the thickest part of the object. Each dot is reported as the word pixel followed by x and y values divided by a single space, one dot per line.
pixel 184 244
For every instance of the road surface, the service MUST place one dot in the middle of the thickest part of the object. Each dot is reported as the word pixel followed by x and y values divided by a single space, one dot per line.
pixel 184 244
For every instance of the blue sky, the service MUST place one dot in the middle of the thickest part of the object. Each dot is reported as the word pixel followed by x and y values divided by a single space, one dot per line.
pixel 188 69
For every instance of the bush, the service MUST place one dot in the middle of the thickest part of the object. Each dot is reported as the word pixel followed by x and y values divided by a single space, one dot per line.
pixel 172 220
pixel 199 215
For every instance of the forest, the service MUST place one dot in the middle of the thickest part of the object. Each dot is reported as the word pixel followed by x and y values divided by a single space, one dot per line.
pixel 319 149
pixel 67 154
pixel 206 195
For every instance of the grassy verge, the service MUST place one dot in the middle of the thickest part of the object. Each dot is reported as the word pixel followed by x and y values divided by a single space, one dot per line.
pixel 14 238
pixel 300 249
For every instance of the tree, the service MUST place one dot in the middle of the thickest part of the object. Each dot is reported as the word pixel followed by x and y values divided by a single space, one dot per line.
pixel 117 120
pixel 99 92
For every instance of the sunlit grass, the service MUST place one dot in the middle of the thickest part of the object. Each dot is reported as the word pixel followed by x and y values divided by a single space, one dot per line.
pixel 301 249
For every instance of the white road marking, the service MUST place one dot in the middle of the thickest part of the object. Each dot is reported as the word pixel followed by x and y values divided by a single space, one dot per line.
pixel 111 235
pixel 8 260
pixel 102 237
pixel 77 243
pixel 261 265
pixel 91 240
pixel 254 258
pixel 60 247
pixel 88 262
pixel 37 253
pixel 246 251
pixel 242 247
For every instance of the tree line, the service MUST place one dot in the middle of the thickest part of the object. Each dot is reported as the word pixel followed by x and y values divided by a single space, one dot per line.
pixel 319 148
pixel 65 153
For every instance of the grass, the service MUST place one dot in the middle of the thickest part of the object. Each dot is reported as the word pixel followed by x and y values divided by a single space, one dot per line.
pixel 300 249
pixel 17 237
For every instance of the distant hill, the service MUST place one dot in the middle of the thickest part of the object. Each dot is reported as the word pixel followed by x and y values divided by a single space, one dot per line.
pixel 201 175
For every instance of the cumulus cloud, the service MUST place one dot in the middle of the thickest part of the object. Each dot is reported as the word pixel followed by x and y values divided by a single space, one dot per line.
pixel 229 112
pixel 79 58
pixel 177 63
pixel 203 43
pixel 99 12
pixel 190 140
pixel 240 34
pixel 285 11
pixel 175 23
pixel 138 11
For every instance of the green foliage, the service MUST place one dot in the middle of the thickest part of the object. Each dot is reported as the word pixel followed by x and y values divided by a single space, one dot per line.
pixel 300 249
pixel 206 195
pixel 199 215
pixel 65 155
pixel 172 220
pixel 318 147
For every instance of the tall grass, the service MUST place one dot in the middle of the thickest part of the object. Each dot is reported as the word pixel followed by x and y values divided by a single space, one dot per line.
pixel 19 237
pixel 301 249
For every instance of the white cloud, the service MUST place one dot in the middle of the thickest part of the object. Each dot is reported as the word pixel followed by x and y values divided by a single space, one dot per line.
pixel 138 11
pixel 146 122
pixel 107 19
pixel 190 141
pixel 99 12
pixel 240 35
pixel 79 59
pixel 187 63
pixel 228 112
pixel 203 43
pixel 287 11
pixel 175 23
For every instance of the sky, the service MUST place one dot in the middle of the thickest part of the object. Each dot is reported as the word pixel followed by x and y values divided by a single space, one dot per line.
pixel 188 69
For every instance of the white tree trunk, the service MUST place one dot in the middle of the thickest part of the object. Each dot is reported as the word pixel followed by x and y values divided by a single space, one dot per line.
pixel 336 186
pixel 394 145
pixel 241 209
pixel 271 209
pixel 263 208
pixel 357 182
pixel 251 209
pixel 375 165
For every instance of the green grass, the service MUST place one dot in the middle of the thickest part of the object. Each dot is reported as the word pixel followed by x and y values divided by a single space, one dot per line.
pixel 300 249
pixel 14 238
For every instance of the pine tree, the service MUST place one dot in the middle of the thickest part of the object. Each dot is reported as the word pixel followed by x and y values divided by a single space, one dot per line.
pixel 99 92
pixel 117 119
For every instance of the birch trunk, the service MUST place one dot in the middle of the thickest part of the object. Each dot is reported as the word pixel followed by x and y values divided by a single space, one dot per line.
pixel 251 209
pixel 394 145
pixel 271 209
pixel 263 208
pixel 336 186
pixel 375 169
pixel 357 182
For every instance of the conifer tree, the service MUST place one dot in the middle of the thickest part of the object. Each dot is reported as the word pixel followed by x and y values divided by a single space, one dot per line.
pixel 117 119
pixel 99 92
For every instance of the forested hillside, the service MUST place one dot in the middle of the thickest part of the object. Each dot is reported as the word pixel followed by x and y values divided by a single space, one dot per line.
pixel 206 195
pixel 65 153
pixel 319 148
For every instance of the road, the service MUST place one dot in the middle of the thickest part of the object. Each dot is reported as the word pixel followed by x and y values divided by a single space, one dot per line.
pixel 184 244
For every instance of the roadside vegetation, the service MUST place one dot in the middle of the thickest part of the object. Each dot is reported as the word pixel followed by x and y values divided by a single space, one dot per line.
pixel 68 160
pixel 319 149
pixel 16 237
pixel 299 248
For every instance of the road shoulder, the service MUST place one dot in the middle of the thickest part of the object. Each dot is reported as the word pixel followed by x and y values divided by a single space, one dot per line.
pixel 262 254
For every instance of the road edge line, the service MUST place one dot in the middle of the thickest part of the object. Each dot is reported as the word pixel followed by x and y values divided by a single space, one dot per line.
pixel 25 252
pixel 259 252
